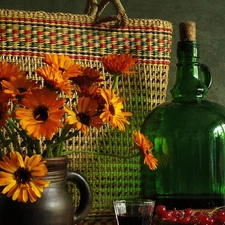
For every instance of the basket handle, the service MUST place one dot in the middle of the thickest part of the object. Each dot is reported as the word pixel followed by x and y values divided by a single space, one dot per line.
pixel 95 9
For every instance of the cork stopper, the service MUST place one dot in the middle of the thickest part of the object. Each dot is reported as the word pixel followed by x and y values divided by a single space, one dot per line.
pixel 187 31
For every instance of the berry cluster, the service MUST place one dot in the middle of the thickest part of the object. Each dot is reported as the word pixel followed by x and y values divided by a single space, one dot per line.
pixel 191 216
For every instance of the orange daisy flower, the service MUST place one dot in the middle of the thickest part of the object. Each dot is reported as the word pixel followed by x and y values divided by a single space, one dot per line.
pixel 42 113
pixel 23 178
pixel 8 70
pixel 89 76
pixel 84 116
pixel 141 141
pixel 64 64
pixel 119 64
pixel 93 92
pixel 18 85
pixel 86 91
pixel 112 111
pixel 151 161
pixel 54 79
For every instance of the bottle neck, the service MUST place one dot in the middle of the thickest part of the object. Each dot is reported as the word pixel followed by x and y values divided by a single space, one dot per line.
pixel 192 80
pixel 187 51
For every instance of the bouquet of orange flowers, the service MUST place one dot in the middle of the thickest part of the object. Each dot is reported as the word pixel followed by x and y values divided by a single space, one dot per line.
pixel 46 112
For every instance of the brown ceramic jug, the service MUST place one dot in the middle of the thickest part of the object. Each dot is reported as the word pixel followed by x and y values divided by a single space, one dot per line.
pixel 55 207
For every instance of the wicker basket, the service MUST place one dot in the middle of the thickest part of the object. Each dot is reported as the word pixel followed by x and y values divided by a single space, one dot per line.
pixel 103 157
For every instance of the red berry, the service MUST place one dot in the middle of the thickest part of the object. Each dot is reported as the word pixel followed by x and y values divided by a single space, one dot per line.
pixel 214 215
pixel 211 221
pixel 222 217
pixel 160 209
pixel 185 220
pixel 217 219
pixel 177 214
pixel 173 219
pixel 188 212
pixel 193 220
pixel 166 215
pixel 203 219
pixel 220 212
pixel 197 213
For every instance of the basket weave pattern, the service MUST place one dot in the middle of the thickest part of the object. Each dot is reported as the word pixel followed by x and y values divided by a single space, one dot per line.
pixel 25 37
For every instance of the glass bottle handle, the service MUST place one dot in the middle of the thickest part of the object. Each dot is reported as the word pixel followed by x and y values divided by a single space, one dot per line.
pixel 85 195
pixel 207 77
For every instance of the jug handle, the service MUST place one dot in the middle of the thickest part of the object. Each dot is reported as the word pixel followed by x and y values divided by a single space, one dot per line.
pixel 207 77
pixel 85 195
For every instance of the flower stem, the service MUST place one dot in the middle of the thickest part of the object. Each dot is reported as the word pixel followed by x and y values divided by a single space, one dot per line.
pixel 3 140
pixel 49 148
pixel 65 135
pixel 10 132
pixel 29 143
pixel 115 82
pixel 59 149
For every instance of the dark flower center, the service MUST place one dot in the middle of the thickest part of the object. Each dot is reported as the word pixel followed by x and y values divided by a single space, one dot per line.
pixel 112 109
pixel 21 90
pixel 62 69
pixel 40 113
pixel 22 176
pixel 83 118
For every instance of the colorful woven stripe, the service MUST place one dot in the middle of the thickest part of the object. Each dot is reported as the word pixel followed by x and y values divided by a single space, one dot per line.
pixel 74 34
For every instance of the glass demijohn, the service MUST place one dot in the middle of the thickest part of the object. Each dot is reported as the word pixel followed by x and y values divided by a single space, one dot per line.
pixel 188 134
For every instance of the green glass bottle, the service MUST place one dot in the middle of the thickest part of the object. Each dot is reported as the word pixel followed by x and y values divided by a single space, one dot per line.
pixel 188 134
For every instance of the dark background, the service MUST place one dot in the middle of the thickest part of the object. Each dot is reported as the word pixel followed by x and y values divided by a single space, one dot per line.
pixel 209 16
